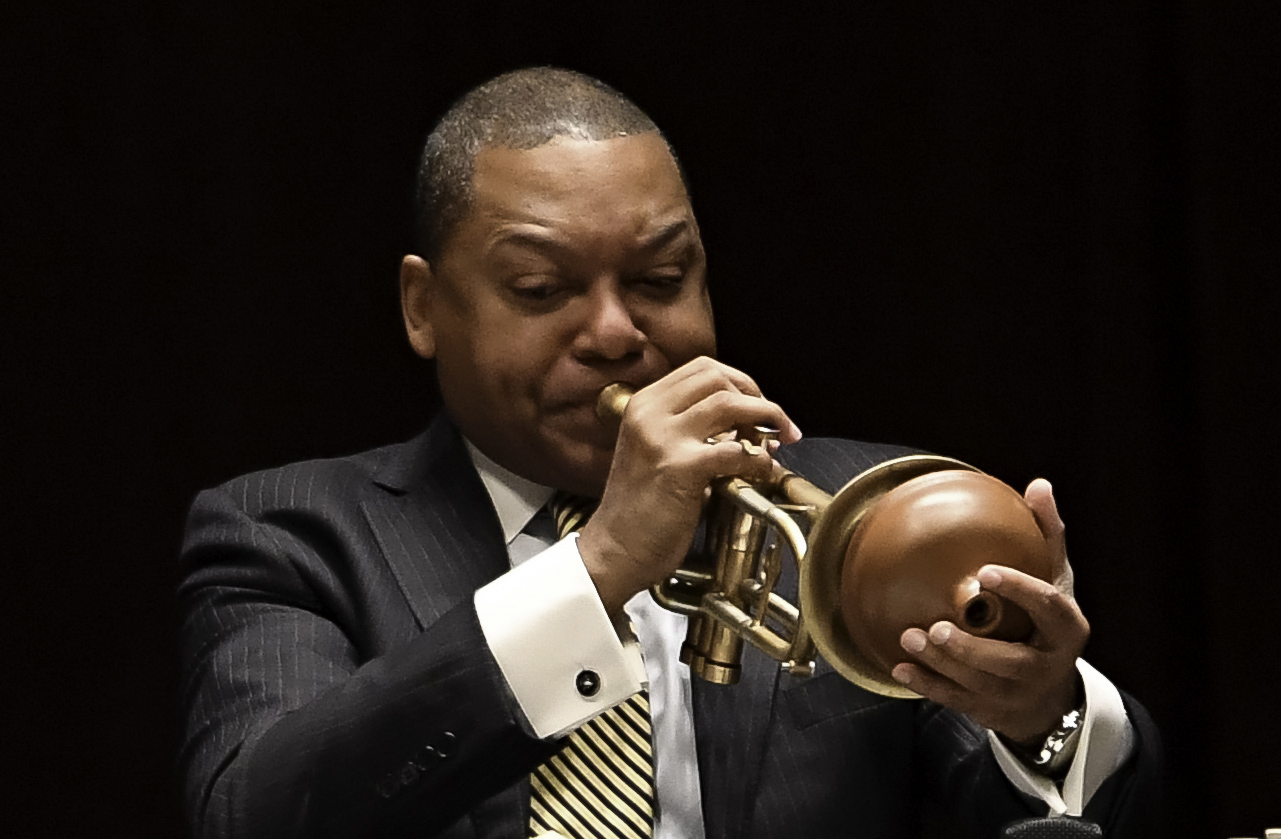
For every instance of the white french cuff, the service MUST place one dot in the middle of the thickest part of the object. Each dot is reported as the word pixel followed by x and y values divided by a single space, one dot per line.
pixel 1107 739
pixel 551 637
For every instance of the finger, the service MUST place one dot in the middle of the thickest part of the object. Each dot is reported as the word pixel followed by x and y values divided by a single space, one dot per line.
pixel 1040 497
pixel 928 649
pixel 725 409
pixel 1001 659
pixel 1056 615
pixel 702 378
pixel 933 686
pixel 675 394
pixel 729 457
pixel 703 367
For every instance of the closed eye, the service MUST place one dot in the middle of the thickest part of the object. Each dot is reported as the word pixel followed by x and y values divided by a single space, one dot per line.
pixel 539 288
pixel 660 282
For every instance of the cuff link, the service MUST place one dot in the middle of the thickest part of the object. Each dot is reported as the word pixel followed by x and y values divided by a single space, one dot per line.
pixel 588 683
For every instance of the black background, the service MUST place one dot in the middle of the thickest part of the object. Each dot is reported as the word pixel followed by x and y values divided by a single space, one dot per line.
pixel 1036 236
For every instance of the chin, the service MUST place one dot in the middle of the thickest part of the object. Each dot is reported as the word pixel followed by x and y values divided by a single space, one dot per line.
pixel 579 455
pixel 585 469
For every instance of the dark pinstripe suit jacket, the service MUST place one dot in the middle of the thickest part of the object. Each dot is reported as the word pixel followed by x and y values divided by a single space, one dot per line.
pixel 337 683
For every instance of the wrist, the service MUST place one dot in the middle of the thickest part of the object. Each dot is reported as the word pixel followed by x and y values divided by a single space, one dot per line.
pixel 607 564
pixel 1031 730
pixel 1052 755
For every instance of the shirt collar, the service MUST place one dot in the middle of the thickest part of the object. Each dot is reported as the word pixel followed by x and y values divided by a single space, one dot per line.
pixel 516 499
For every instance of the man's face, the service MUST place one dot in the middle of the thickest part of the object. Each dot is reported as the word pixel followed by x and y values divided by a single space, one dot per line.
pixel 579 264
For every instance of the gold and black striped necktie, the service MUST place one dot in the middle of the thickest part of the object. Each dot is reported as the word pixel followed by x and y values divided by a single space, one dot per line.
pixel 601 783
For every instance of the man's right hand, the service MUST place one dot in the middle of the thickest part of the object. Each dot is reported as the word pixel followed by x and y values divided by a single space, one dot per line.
pixel 663 465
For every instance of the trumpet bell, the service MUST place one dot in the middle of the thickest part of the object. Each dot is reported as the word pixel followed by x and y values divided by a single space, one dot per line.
pixel 899 546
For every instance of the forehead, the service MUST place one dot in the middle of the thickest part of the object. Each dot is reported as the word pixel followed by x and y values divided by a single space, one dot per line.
pixel 626 185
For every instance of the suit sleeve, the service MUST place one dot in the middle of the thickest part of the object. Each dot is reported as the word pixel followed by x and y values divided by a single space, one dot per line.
pixel 965 793
pixel 293 729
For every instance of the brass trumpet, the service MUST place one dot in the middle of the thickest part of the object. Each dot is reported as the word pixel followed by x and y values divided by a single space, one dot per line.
pixel 897 546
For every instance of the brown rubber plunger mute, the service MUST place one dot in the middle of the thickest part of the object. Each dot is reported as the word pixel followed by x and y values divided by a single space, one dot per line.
pixel 912 561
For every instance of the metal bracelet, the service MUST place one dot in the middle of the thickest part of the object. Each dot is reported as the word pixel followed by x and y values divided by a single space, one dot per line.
pixel 1060 745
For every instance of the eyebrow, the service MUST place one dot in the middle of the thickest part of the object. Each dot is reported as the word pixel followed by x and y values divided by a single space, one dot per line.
pixel 665 235
pixel 546 242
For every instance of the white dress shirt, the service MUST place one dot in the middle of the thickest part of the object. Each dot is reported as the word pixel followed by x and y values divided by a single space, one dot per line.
pixel 545 624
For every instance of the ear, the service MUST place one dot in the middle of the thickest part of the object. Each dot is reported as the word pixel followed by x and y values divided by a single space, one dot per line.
pixel 417 291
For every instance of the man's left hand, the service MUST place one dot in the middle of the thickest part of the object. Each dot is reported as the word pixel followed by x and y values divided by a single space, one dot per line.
pixel 1020 690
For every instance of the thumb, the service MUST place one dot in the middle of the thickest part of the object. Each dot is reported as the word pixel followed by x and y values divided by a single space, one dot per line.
pixel 1040 497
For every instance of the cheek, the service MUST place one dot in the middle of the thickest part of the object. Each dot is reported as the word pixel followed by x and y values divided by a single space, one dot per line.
pixel 687 334
pixel 516 360
pixel 477 372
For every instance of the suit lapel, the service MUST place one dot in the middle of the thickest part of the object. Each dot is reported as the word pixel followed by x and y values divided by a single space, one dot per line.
pixel 435 523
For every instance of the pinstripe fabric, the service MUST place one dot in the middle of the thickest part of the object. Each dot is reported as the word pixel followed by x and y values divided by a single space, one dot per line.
pixel 601 784
pixel 329 645
pixel 308 588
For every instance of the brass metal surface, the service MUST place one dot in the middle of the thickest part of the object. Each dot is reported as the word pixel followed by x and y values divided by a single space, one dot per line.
pixel 821 569
pixel 728 592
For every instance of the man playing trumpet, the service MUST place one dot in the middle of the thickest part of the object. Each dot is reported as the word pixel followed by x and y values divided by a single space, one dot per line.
pixel 401 643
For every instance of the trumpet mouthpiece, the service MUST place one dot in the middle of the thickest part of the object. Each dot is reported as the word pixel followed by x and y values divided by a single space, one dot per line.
pixel 612 402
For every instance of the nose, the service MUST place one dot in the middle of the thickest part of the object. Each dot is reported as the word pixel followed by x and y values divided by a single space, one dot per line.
pixel 608 330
